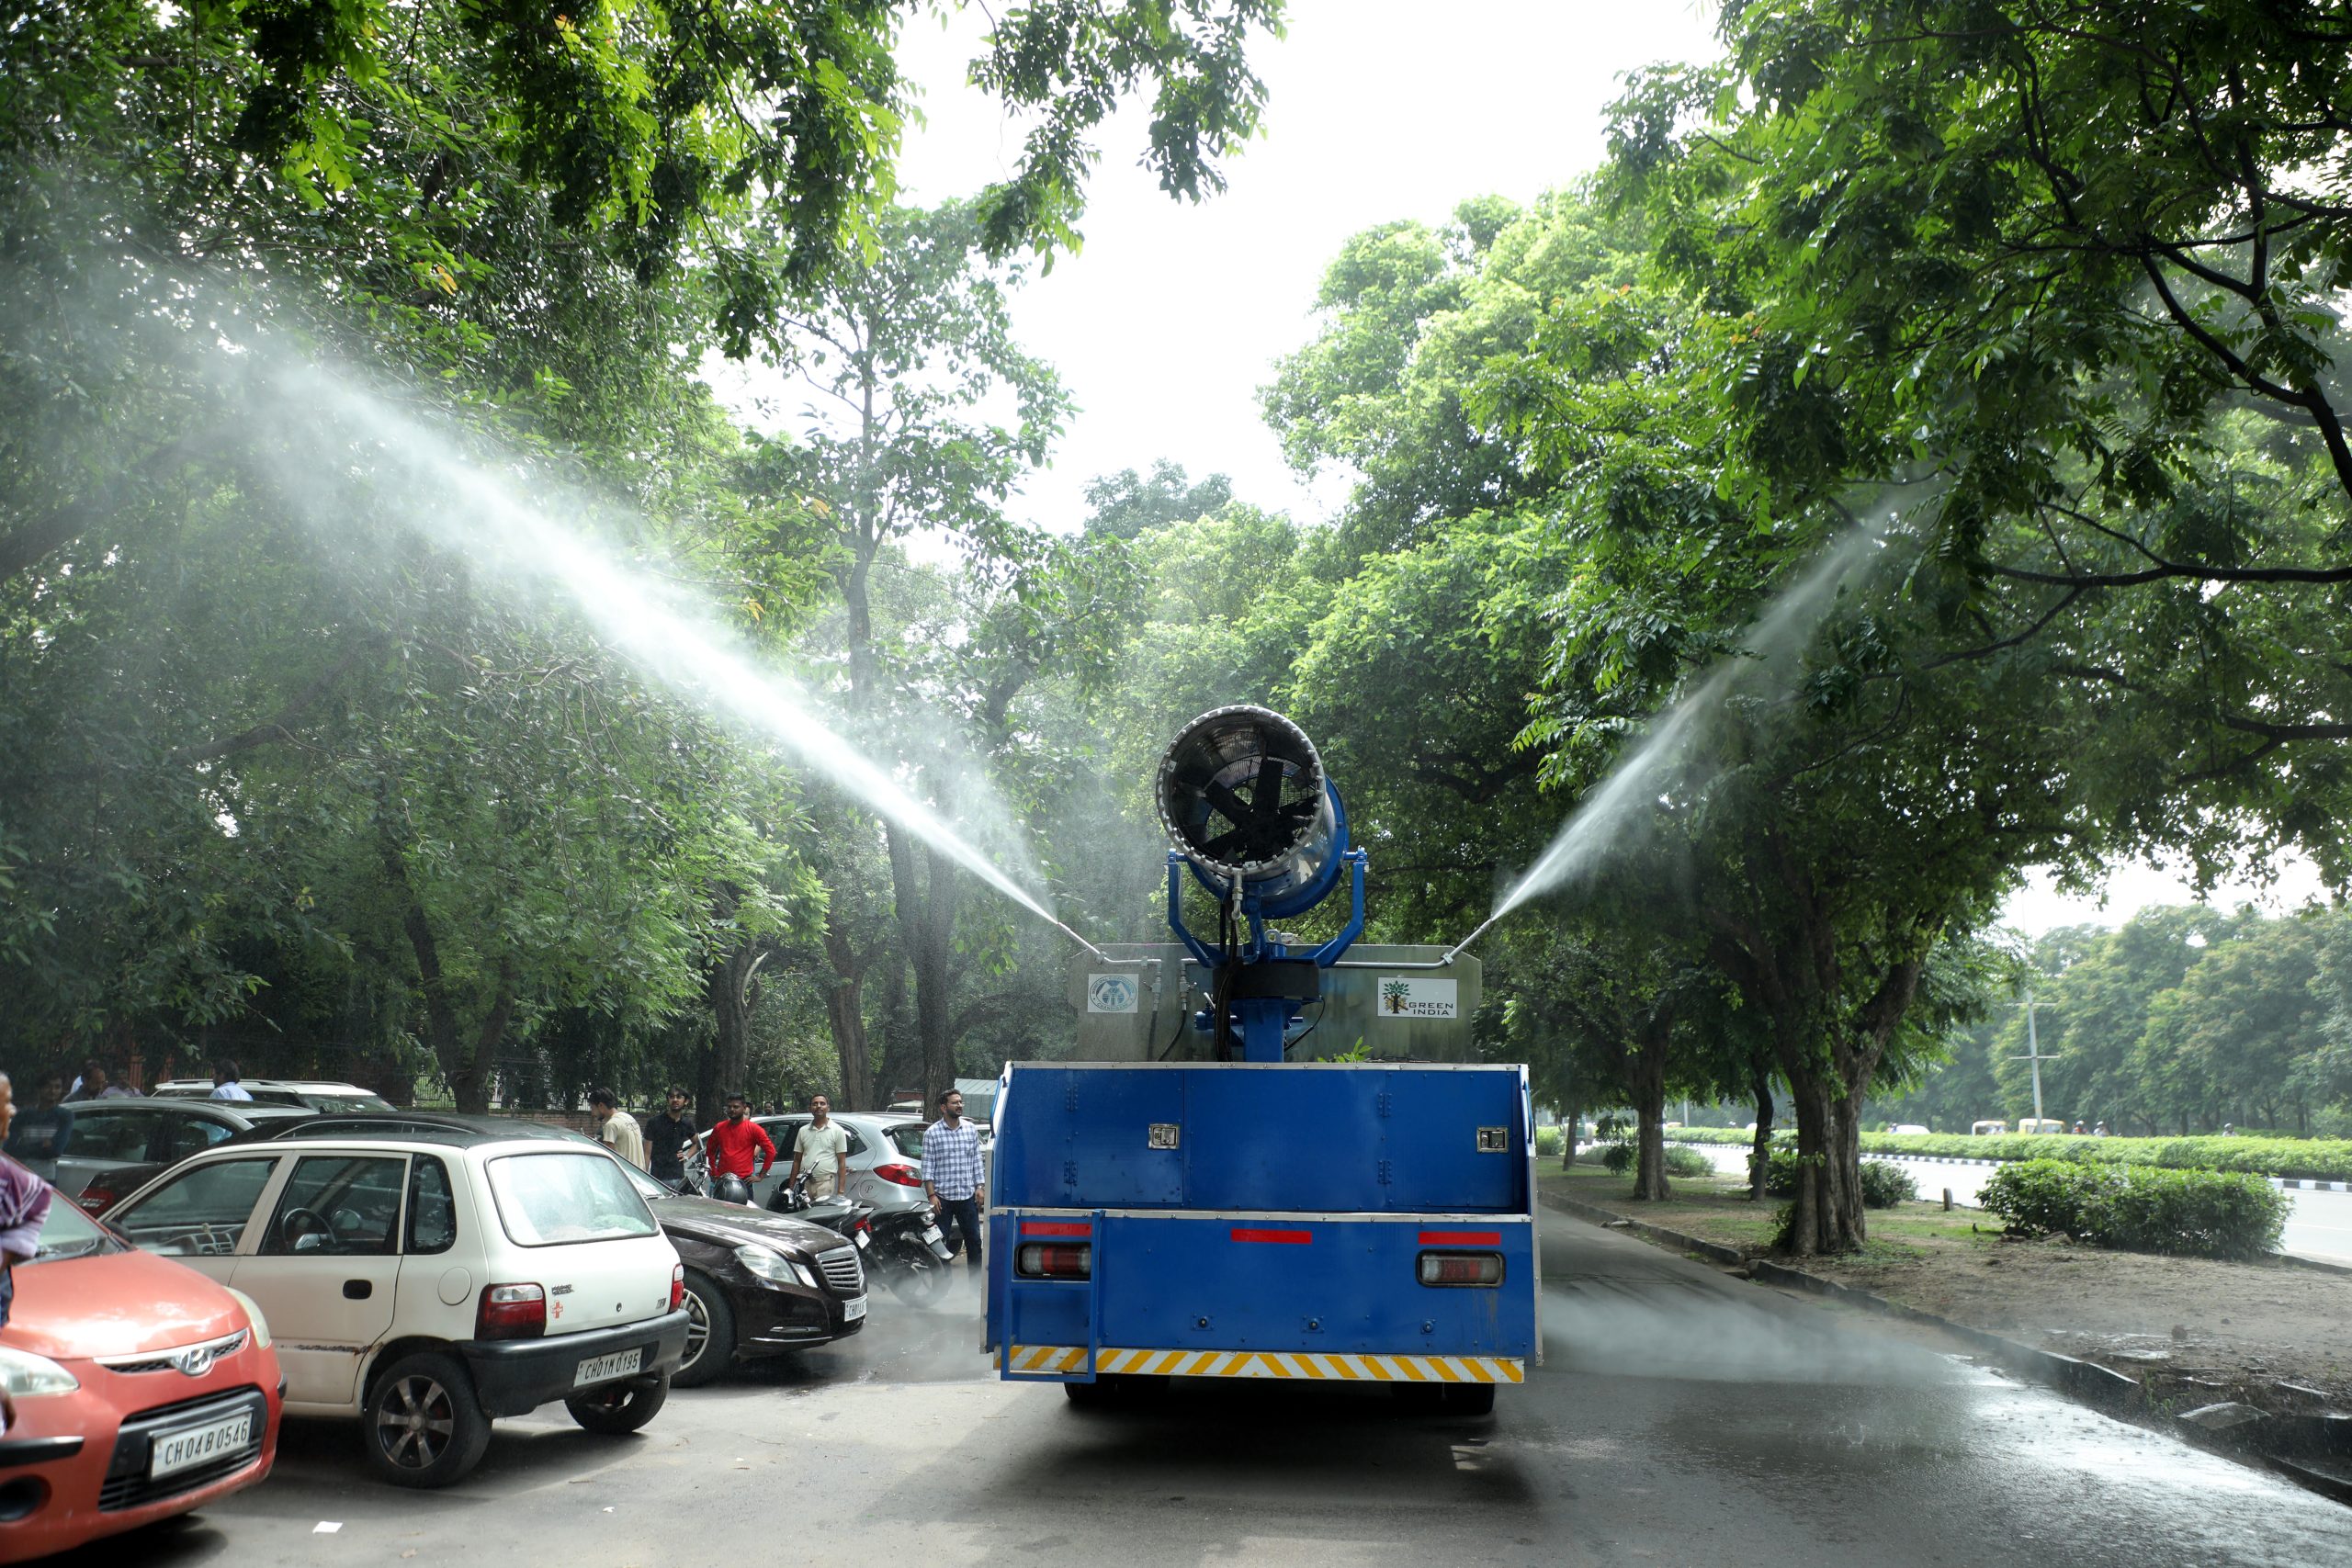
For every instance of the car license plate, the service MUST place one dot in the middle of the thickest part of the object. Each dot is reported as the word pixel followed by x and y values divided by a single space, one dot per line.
pixel 852 1309
pixel 171 1452
pixel 862 1239
pixel 931 1233
pixel 619 1364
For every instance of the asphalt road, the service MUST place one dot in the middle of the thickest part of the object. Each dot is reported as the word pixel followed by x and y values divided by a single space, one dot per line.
pixel 1683 1418
pixel 2319 1224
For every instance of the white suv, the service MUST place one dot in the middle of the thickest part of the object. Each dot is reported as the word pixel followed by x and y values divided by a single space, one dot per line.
pixel 428 1281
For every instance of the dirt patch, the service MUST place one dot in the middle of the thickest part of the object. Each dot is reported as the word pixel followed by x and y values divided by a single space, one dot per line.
pixel 2276 1336
pixel 2186 1328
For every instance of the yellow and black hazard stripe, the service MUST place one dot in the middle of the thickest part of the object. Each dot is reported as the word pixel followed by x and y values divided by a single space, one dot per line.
pixel 1270 1364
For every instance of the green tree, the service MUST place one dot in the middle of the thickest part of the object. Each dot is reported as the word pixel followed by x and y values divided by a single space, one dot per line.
pixel 1126 503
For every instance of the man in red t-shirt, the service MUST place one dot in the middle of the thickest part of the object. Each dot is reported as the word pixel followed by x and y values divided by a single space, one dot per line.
pixel 740 1144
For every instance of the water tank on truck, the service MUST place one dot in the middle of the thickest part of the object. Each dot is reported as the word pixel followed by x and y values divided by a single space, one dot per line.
pixel 1197 1195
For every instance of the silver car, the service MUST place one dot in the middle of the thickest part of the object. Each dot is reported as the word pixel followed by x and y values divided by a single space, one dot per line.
pixel 885 1157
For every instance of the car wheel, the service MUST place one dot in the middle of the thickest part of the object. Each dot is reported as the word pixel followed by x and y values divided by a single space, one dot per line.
pixel 622 1408
pixel 710 1334
pixel 423 1425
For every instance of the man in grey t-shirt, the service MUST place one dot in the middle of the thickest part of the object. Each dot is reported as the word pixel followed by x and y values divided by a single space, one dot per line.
pixel 821 1151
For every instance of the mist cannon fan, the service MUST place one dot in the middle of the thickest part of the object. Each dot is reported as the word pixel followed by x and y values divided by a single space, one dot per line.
pixel 1244 798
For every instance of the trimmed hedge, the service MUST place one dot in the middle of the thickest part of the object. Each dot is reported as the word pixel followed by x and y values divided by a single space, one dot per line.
pixel 1686 1163
pixel 1689 1164
pixel 2319 1160
pixel 2197 1214
pixel 1547 1140
pixel 1884 1185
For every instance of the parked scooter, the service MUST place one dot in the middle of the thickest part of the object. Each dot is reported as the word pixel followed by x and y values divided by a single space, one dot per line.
pixel 903 1247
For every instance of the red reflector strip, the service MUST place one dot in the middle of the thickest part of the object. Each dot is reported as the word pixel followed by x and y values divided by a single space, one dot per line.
pixel 1462 1238
pixel 1291 1238
pixel 1056 1227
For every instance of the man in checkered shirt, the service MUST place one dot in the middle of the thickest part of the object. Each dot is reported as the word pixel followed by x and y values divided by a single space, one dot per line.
pixel 952 1176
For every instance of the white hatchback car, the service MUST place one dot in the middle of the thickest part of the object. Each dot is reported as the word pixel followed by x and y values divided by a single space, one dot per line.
pixel 429 1281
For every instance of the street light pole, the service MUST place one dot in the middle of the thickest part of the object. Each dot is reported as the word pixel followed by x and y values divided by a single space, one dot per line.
pixel 2033 1053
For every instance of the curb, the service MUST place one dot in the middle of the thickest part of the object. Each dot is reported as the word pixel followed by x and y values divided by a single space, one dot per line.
pixel 1713 1251
pixel 2087 1382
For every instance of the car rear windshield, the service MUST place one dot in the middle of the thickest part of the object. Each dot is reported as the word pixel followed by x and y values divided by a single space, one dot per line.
pixel 552 1200
pixel 909 1139
pixel 344 1104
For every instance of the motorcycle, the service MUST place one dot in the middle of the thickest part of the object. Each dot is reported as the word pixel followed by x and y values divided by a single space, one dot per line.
pixel 698 1182
pixel 841 1214
pixel 904 1248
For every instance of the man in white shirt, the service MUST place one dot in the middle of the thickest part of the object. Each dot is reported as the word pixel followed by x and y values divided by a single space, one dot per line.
pixel 224 1082
pixel 617 1127
pixel 822 1149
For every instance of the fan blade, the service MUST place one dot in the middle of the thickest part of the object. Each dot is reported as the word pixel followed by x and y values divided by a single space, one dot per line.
pixel 1266 794
pixel 1237 810
pixel 1216 848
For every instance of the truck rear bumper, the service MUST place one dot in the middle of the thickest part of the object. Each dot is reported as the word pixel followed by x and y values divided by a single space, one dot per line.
pixel 1317 1366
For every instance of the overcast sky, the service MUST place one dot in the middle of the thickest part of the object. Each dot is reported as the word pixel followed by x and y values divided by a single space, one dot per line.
pixel 1168 321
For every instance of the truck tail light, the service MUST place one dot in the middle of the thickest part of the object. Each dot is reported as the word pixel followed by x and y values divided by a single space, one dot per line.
pixel 511 1312
pixel 1460 1267
pixel 1048 1260
pixel 904 1175
pixel 677 1286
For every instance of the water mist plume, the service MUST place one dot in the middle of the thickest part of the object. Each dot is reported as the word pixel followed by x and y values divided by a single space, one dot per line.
pixel 1586 839
pixel 462 505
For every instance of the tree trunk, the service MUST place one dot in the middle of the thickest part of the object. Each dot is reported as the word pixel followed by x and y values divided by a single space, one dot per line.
pixel 845 1017
pixel 1760 1153
pixel 1645 1080
pixel 1569 1116
pixel 481 1072
pixel 728 988
pixel 934 977
pixel 469 1074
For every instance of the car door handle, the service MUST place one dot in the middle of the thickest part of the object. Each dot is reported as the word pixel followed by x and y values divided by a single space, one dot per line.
pixel 358 1290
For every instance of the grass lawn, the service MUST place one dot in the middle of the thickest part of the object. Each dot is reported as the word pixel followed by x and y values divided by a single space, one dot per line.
pixel 1718 1209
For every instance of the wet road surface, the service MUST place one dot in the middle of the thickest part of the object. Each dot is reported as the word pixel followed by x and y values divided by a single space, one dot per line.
pixel 1683 1417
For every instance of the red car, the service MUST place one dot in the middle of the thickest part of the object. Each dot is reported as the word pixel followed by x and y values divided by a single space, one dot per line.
pixel 142 1389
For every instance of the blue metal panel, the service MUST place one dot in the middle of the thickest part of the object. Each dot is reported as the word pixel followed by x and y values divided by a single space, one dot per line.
pixel 1305 1139
pixel 1173 1281
pixel 1375 1138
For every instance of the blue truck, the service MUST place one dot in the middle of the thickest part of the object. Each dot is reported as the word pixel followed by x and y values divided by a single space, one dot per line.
pixel 1197 1197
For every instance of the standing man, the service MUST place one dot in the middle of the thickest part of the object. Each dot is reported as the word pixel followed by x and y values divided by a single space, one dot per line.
pixel 42 1132
pixel 740 1146
pixel 617 1127
pixel 823 1147
pixel 97 1083
pixel 952 1176
pixel 224 1082
pixel 666 1132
